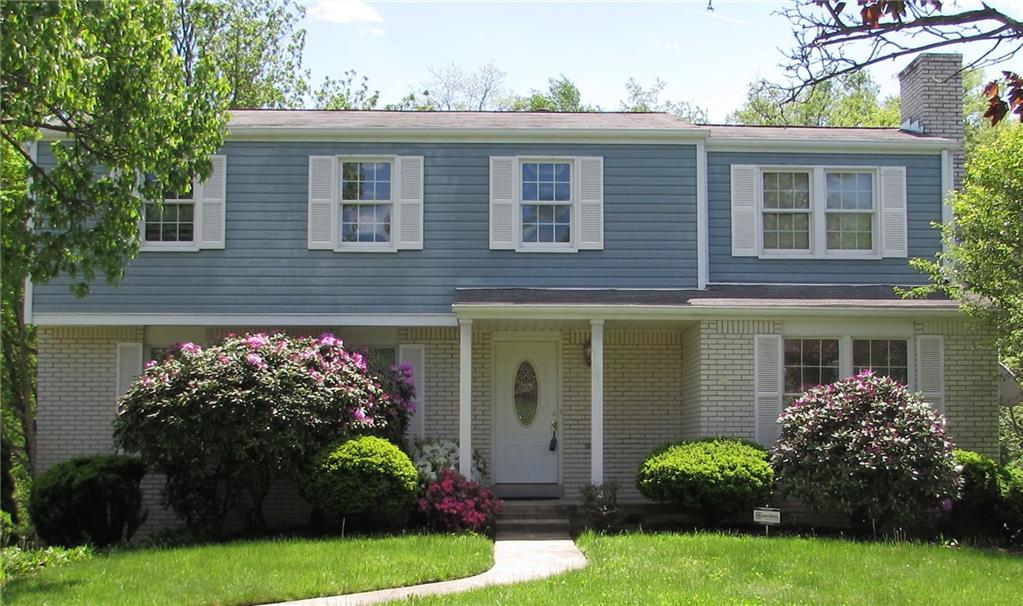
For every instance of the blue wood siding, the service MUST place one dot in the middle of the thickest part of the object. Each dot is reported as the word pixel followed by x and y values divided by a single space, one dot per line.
pixel 923 176
pixel 649 223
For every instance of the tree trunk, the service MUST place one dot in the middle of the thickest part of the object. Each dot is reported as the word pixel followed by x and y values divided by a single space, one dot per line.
pixel 19 352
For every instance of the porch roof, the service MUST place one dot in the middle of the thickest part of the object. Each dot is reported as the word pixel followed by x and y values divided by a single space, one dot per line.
pixel 715 299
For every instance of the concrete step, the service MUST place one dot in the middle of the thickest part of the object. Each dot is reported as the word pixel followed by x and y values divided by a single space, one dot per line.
pixel 536 510
pixel 532 525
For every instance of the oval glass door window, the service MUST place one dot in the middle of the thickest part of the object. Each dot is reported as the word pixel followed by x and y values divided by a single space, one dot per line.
pixel 526 394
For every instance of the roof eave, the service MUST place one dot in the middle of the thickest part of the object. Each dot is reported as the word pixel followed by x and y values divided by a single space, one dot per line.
pixel 824 144
pixel 458 134
pixel 484 311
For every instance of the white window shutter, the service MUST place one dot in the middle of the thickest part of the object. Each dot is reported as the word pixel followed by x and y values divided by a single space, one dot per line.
pixel 129 365
pixel 744 210
pixel 502 203
pixel 768 382
pixel 930 370
pixel 894 236
pixel 591 203
pixel 415 356
pixel 410 203
pixel 323 202
pixel 211 201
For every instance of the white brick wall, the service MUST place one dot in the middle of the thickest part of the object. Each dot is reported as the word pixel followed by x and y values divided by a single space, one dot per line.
pixel 932 94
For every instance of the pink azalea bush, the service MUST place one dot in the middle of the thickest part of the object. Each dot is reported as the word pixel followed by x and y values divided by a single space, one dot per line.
pixel 867 447
pixel 457 504
pixel 224 422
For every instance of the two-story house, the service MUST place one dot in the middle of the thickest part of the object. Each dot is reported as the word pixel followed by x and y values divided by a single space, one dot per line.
pixel 618 280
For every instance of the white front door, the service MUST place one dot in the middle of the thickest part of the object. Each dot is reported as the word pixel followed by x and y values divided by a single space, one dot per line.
pixel 526 399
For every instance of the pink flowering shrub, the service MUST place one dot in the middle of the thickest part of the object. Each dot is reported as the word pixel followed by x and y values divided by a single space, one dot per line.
pixel 223 422
pixel 455 503
pixel 868 447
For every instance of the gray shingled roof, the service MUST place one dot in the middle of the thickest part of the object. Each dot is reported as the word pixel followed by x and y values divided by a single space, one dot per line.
pixel 504 121
pixel 457 120
pixel 755 295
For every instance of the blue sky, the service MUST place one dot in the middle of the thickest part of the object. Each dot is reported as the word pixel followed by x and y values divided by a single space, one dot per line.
pixel 707 58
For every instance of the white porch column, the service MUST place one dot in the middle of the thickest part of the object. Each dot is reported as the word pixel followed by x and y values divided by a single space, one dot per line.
pixel 465 398
pixel 597 401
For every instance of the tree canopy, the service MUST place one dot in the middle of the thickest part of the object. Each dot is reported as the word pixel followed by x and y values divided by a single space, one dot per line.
pixel 850 100
pixel 982 268
pixel 834 38
pixel 104 80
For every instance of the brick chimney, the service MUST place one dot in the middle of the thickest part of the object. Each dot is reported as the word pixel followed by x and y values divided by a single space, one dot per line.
pixel 931 100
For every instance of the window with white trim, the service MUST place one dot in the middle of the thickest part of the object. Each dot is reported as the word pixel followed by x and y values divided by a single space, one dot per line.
pixel 366 202
pixel 818 212
pixel 172 221
pixel 809 363
pixel 887 357
pixel 786 210
pixel 546 203
pixel 850 209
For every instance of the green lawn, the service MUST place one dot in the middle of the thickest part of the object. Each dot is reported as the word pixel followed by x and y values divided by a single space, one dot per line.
pixel 718 569
pixel 253 572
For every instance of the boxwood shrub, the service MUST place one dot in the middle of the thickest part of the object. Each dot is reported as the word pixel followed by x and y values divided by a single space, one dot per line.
pixel 365 482
pixel 88 500
pixel 716 477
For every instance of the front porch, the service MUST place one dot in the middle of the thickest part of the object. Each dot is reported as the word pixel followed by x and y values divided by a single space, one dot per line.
pixel 617 390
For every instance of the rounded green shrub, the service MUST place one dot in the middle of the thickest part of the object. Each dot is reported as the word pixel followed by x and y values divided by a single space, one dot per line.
pixel 716 477
pixel 366 481
pixel 88 500
pixel 976 509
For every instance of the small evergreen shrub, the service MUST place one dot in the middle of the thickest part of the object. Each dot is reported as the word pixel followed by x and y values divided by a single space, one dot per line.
pixel 600 509
pixel 976 509
pixel 88 500
pixel 454 503
pixel 869 448
pixel 715 477
pixel 367 482
pixel 432 455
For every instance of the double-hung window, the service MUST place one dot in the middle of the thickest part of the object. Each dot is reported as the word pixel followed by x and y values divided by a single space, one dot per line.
pixel 366 202
pixel 171 223
pixel 818 212
pixel 546 203
pixel 887 357
pixel 809 363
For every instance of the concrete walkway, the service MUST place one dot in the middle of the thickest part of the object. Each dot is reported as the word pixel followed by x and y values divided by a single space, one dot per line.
pixel 516 558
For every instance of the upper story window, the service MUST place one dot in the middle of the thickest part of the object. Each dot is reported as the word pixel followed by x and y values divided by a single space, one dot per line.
pixel 366 202
pixel 820 212
pixel 849 214
pixel 787 212
pixel 173 221
pixel 546 203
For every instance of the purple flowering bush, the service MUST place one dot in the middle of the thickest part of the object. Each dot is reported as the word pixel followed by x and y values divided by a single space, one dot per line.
pixel 224 422
pixel 867 447
pixel 455 503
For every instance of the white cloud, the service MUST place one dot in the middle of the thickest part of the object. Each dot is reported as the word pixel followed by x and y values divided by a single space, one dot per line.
pixel 343 11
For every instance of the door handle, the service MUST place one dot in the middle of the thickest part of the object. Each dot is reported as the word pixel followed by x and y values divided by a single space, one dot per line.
pixel 554 436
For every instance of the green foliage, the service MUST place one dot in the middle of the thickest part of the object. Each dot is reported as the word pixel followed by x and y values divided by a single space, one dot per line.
pixel 716 477
pixel 1011 505
pixel 976 509
pixel 255 46
pixel 89 500
pixel 16 562
pixel 364 482
pixel 982 266
pixel 850 100
pixel 1010 434
pixel 562 95
pixel 867 447
pixel 648 99
pixel 223 423
pixel 346 92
